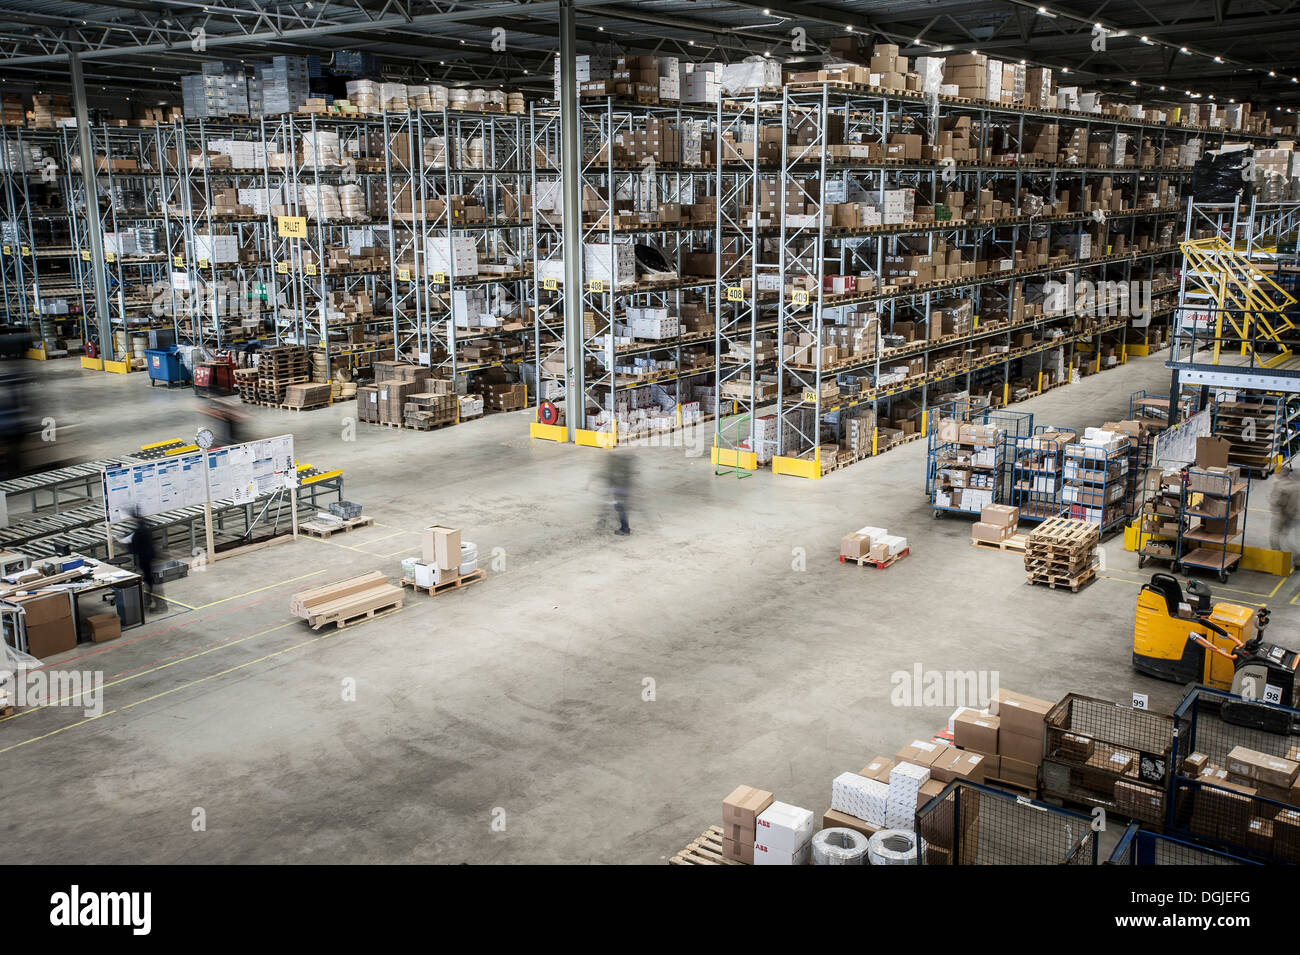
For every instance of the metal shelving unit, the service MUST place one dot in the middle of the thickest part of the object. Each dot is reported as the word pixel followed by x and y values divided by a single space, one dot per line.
pixel 1036 475
pixel 1218 542
pixel 971 450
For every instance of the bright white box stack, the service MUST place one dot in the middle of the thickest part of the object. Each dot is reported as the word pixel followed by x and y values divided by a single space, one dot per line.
pixel 783 835
pixel 119 243
pixel 468 306
pixel 653 323
pixel 863 798
pixel 217 249
pixel 456 256
pixel 905 782
pixel 613 264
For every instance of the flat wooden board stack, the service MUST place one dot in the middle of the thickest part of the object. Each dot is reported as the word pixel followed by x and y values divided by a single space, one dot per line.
pixel 1060 553
pixel 347 601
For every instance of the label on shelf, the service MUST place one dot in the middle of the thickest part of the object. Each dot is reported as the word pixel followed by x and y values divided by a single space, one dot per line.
pixel 7 249
pixel 735 293
pixel 85 255
pixel 809 397
pixel 800 296
pixel 110 256
pixel 310 268
pixel 27 250
pixel 403 275
pixel 282 268
pixel 291 227
pixel 438 278
pixel 550 284
pixel 596 285
pixel 178 262
pixel 204 263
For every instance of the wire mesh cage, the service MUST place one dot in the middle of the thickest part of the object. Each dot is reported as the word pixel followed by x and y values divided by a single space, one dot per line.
pixel 971 824
pixel 1228 817
pixel 1213 723
pixel 1140 846
pixel 1106 754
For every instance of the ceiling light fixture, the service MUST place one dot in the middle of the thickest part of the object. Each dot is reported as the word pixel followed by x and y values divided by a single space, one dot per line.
pixel 1148 41
pixel 1184 51
pixel 849 28
pixel 1044 12
pixel 1271 73
pixel 1132 82
pixel 1218 59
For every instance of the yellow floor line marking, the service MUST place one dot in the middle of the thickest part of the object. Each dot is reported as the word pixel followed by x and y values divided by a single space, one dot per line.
pixel 1231 590
pixel 170 600
pixel 322 540
pixel 210 676
pixel 258 590
pixel 161 666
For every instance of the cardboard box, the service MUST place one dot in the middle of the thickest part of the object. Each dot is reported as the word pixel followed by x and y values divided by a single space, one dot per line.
pixel 1025 749
pixel 1004 514
pixel 1078 746
pixel 878 768
pixel 921 752
pixel 855 545
pixel 738 851
pixel 441 547
pixel 958 764
pixel 45 608
pixel 744 804
pixel 994 533
pixel 765 856
pixel 1022 774
pixel 105 626
pixel 1262 768
pixel 976 731
pixel 834 819
pixel 1019 713
pixel 782 827
pixel 47 639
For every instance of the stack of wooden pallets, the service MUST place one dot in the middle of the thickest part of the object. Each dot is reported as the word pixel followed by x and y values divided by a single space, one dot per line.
pixel 277 369
pixel 1060 553
pixel 347 601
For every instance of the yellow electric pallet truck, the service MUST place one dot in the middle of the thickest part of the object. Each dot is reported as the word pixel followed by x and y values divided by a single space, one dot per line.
pixel 1188 638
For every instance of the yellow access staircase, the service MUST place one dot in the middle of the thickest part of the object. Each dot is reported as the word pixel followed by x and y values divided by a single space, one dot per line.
pixel 1223 280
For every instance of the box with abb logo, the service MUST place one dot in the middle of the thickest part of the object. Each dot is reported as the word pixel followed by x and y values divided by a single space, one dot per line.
pixel 784 835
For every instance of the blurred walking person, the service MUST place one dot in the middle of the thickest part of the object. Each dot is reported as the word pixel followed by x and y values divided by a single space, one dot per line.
pixel 1286 508
pixel 144 554
pixel 620 478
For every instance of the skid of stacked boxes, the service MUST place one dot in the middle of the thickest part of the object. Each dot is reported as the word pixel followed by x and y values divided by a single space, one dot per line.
pixel 1096 478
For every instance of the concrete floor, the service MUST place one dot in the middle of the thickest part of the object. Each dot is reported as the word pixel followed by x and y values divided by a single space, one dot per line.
pixel 506 722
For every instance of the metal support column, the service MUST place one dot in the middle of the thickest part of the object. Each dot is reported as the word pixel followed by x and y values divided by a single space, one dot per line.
pixel 95 232
pixel 575 401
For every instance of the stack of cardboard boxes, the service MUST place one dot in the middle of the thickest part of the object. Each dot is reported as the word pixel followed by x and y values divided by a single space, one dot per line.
pixel 1009 735
pixel 440 556
pixel 997 523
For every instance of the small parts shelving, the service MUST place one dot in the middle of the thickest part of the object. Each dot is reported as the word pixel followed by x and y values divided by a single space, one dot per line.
pixel 1213 521
pixel 1255 426
pixel 1036 475
pixel 1161 515
pixel 970 452
pixel 1096 479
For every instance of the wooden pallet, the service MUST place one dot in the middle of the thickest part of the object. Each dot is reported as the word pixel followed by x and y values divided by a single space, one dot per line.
pixel 1015 544
pixel 879 564
pixel 328 529
pixel 1062 581
pixel 6 711
pixel 459 582
pixel 706 849
pixel 342 622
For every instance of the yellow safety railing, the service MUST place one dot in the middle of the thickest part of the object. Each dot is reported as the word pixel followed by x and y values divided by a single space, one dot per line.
pixel 1253 304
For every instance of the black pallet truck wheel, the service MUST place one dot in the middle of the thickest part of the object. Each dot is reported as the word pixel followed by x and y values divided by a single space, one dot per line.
pixel 938 514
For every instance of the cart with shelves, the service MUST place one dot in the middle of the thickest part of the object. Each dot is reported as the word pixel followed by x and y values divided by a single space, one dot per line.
pixel 970 452
pixel 1213 518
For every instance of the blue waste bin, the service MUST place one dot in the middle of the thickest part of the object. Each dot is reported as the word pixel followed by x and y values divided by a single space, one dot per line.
pixel 164 365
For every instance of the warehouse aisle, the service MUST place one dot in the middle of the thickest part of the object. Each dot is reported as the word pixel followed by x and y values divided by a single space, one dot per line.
pixel 593 700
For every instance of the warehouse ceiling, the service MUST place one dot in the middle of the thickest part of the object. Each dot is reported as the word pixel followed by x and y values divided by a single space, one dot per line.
pixel 1243 49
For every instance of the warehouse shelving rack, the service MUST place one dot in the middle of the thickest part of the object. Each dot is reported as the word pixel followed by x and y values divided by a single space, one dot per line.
pixel 1160 506
pixel 1148 235
pixel 1210 547
pixel 949 454
pixel 620 207
pixel 138 284
pixel 1096 483
pixel 1036 474
pixel 1257 425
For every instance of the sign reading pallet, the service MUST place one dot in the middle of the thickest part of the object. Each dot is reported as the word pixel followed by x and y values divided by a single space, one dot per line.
pixel 291 227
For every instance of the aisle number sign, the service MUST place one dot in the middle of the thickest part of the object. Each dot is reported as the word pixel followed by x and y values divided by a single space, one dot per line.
pixel 85 255
pixel 550 284
pixel 110 256
pixel 596 285
pixel 403 275
pixel 27 250
pixel 801 296
pixel 7 249
pixel 735 293
pixel 292 227
pixel 310 268
pixel 282 268
pixel 439 278
pixel 177 261
pixel 204 263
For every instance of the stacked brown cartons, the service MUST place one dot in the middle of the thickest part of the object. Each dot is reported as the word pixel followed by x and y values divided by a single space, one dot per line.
pixel 740 812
